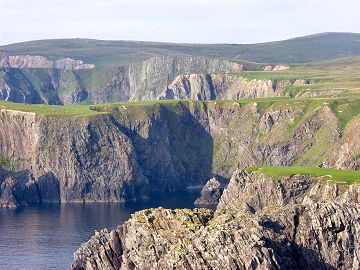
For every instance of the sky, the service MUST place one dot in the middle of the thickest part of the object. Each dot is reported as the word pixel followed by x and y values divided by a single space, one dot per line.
pixel 193 21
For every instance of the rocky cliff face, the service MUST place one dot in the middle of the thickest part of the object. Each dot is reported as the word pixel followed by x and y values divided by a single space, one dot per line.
pixel 291 236
pixel 36 61
pixel 217 86
pixel 34 79
pixel 348 148
pixel 132 150
pixel 253 191
pixel 156 73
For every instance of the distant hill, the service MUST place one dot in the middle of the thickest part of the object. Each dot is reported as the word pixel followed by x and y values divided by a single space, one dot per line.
pixel 114 53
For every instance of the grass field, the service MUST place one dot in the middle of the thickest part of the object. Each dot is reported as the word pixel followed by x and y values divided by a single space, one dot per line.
pixel 345 108
pixel 339 176
pixel 50 110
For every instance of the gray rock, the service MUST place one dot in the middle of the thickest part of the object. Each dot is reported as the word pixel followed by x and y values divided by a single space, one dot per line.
pixel 37 61
pixel 261 223
pixel 256 191
pixel 224 86
pixel 320 236
pixel 210 193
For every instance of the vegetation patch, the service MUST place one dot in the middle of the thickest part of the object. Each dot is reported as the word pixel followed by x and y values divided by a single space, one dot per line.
pixel 339 176
pixel 5 163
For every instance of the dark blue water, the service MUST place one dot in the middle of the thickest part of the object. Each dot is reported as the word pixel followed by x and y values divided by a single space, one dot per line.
pixel 46 237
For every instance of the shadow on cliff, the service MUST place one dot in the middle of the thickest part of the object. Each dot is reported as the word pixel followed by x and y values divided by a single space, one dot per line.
pixel 173 148
pixel 20 188
pixel 297 257
pixel 49 188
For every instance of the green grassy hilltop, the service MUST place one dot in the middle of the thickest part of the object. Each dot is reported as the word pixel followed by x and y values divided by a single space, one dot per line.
pixel 112 53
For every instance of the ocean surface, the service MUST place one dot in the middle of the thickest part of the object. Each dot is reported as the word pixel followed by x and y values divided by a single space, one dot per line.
pixel 46 237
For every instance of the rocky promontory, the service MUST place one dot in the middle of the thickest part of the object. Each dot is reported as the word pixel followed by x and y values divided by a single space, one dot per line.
pixel 293 234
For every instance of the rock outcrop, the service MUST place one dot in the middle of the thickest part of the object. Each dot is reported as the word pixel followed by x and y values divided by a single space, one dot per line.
pixel 37 61
pixel 210 193
pixel 253 191
pixel 217 86
pixel 275 67
pixel 348 148
pixel 297 222
pixel 155 74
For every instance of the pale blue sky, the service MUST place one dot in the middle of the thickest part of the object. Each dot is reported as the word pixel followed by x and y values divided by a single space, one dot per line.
pixel 196 21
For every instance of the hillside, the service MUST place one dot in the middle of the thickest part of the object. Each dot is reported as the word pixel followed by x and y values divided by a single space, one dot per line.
pixel 117 53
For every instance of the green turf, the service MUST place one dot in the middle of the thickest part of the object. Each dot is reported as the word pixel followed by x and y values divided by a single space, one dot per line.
pixel 50 110
pixel 345 109
pixel 340 176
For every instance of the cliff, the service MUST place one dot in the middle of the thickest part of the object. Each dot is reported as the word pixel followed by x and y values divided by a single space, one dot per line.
pixel 217 86
pixel 280 234
pixel 35 79
pixel 125 151
pixel 154 74
pixel 259 191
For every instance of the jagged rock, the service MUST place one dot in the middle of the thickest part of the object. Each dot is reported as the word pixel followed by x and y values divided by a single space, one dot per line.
pixel 347 149
pixel 217 86
pixel 319 236
pixel 211 193
pixel 297 222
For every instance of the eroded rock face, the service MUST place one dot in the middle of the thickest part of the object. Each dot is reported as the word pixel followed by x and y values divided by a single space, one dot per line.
pixel 21 189
pixel 218 86
pixel 348 148
pixel 254 191
pixel 156 73
pixel 210 193
pixel 37 61
pixel 127 153
pixel 319 236
pixel 61 81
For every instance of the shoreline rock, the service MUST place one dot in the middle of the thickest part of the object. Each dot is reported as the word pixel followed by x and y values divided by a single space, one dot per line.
pixel 210 193
pixel 286 233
